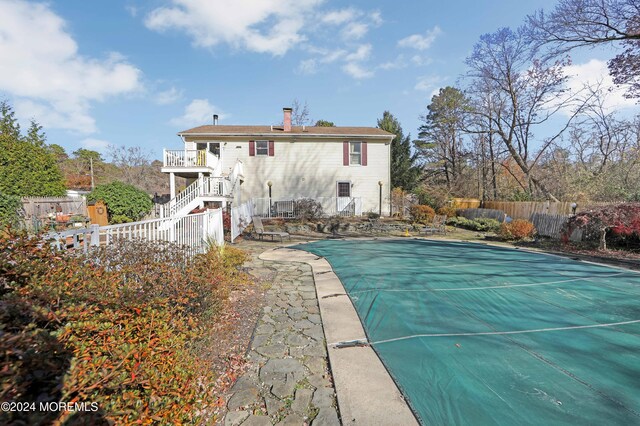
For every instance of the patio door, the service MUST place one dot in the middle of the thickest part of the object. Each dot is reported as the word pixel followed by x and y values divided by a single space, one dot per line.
pixel 343 195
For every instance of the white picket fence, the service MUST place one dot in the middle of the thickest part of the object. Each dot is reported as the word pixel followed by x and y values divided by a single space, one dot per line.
pixel 241 217
pixel 195 232
pixel 295 207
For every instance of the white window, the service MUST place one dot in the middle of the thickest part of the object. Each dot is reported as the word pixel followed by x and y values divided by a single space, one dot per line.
pixel 262 148
pixel 355 153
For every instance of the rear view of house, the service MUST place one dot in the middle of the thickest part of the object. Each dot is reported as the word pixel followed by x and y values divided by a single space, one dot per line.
pixel 344 168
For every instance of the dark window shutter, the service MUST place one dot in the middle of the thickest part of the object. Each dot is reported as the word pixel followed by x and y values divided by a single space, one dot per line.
pixel 252 148
pixel 345 153
pixel 364 153
pixel 271 149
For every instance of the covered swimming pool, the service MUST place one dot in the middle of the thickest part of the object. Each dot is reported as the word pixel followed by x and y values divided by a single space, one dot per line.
pixel 476 334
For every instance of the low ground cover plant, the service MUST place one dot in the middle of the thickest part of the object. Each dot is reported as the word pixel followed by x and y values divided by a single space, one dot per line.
pixel 116 329
pixel 482 224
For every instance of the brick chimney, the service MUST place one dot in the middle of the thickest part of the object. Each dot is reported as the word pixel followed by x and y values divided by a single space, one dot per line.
pixel 287 119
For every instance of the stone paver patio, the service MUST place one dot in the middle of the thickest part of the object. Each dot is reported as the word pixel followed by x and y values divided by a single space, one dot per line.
pixel 288 381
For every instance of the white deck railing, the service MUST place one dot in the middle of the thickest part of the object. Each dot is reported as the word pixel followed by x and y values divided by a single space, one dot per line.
pixel 194 231
pixel 203 187
pixel 189 158
pixel 295 207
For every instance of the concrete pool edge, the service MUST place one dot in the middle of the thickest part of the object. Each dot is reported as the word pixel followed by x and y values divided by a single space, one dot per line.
pixel 365 391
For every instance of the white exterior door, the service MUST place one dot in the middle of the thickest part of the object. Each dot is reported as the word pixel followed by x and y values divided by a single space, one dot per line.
pixel 343 195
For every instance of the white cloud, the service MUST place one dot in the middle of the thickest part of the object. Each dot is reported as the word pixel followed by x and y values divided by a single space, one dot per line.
pixel 362 53
pixel 596 72
pixel 398 63
pixel 199 112
pixel 352 61
pixel 419 41
pixel 265 26
pixel 274 27
pixel 427 83
pixel 355 31
pixel 339 17
pixel 95 144
pixel 133 11
pixel 357 70
pixel 168 96
pixel 308 66
pixel 50 80
pixel 421 60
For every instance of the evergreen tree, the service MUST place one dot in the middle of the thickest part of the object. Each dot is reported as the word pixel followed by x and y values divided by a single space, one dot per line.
pixel 27 165
pixel 404 171
pixel 324 123
pixel 8 124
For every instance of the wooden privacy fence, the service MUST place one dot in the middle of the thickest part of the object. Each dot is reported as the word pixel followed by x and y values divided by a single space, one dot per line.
pixel 478 213
pixel 41 206
pixel 524 209
pixel 549 225
pixel 465 203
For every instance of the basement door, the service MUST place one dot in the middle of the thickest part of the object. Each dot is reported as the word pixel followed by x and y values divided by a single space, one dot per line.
pixel 343 195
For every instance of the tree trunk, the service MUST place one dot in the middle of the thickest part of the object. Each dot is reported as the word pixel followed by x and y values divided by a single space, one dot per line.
pixel 603 239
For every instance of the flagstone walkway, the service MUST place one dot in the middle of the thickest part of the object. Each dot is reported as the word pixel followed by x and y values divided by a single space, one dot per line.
pixel 288 381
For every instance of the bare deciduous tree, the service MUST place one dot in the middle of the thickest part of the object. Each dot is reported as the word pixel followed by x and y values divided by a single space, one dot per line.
pixel 526 92
pixel 577 23
pixel 300 113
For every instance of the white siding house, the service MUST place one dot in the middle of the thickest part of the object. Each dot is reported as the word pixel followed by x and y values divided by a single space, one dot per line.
pixel 293 162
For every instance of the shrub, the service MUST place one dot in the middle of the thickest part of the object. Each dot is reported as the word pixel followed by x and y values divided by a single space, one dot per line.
pixel 621 223
pixel 422 213
pixel 518 229
pixel 9 206
pixel 449 211
pixel 120 218
pixel 308 209
pixel 226 220
pixel 373 215
pixel 430 196
pixel 481 224
pixel 121 200
pixel 117 328
pixel 486 224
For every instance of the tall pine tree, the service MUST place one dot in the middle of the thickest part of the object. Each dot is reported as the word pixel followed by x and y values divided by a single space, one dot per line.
pixel 404 171
pixel 27 166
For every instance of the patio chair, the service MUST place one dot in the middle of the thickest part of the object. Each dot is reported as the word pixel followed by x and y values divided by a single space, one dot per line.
pixel 258 228
pixel 439 225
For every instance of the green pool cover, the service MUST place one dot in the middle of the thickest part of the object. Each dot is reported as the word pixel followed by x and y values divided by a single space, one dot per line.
pixel 474 334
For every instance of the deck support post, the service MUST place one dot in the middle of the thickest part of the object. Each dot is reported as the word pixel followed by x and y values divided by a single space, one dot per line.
pixel 172 185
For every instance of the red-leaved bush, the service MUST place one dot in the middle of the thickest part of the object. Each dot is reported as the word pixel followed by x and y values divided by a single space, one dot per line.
pixel 116 328
pixel 619 223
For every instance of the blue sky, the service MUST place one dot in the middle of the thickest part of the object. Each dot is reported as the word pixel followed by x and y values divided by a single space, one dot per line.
pixel 133 73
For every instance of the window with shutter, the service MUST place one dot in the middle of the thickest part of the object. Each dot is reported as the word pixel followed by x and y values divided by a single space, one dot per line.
pixel 355 153
pixel 262 148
